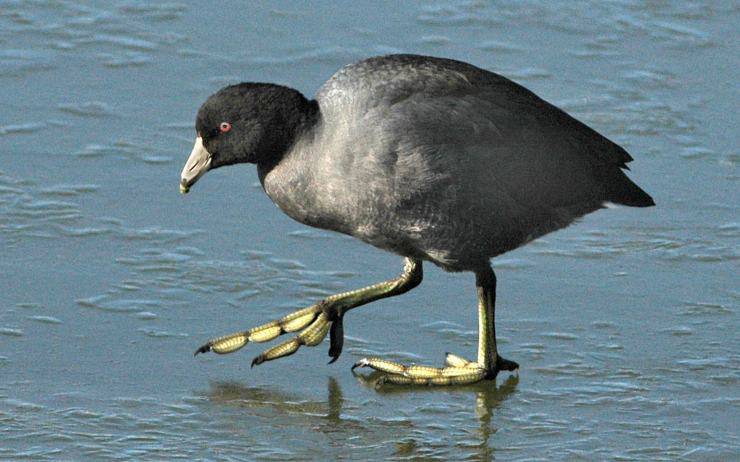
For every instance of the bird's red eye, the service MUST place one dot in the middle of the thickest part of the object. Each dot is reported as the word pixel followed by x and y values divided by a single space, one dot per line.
pixel 224 127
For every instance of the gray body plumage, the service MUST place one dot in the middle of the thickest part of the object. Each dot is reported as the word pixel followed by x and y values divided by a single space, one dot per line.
pixel 439 160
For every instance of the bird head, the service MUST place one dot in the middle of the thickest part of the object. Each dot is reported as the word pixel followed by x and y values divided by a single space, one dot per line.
pixel 248 122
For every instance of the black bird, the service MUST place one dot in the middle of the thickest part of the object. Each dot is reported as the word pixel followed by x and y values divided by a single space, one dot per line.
pixel 429 158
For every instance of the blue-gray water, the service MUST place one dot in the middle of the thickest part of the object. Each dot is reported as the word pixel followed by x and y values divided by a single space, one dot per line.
pixel 625 324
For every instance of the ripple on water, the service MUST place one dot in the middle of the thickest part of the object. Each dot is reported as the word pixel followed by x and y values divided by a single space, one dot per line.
pixel 125 59
pixel 707 363
pixel 500 47
pixel 678 331
pixel 672 26
pixel 124 42
pixel 155 12
pixel 45 319
pixel 159 333
pixel 310 234
pixel 68 189
pixel 107 303
pixel 19 63
pixel 124 150
pixel 434 40
pixel 511 263
pixel 29 211
pixel 114 36
pixel 146 315
pixel 21 129
pixel 560 336
pixel 454 332
pixel 455 14
pixel 661 245
pixel 335 55
pixel 728 230
pixel 527 74
pixel 87 109
pixel 167 279
pixel 11 332
pixel 573 367
pixel 704 308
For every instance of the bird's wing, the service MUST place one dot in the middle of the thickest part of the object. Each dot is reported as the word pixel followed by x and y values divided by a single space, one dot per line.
pixel 498 132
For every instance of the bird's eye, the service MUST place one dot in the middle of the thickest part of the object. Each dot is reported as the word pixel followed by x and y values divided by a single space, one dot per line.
pixel 224 127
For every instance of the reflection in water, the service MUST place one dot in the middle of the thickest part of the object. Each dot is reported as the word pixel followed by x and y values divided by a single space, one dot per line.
pixel 331 418
pixel 236 394
pixel 334 401
pixel 307 424
pixel 489 396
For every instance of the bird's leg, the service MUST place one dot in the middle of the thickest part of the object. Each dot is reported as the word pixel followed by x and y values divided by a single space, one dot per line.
pixel 317 320
pixel 488 357
pixel 458 371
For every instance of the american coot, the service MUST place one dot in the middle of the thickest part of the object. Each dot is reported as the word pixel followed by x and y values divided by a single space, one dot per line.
pixel 429 158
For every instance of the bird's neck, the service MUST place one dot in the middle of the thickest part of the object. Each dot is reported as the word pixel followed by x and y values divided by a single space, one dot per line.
pixel 297 123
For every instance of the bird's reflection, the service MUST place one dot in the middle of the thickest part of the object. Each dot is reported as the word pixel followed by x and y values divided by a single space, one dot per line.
pixel 487 399
pixel 334 419
pixel 236 394
pixel 489 396
pixel 334 401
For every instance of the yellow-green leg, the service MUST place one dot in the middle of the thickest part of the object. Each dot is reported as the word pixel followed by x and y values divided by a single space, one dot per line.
pixel 317 320
pixel 488 357
pixel 458 371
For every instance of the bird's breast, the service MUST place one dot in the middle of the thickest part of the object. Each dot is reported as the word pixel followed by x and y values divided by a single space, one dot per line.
pixel 295 186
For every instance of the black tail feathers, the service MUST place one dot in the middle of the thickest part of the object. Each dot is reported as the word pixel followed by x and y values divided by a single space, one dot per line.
pixel 626 192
